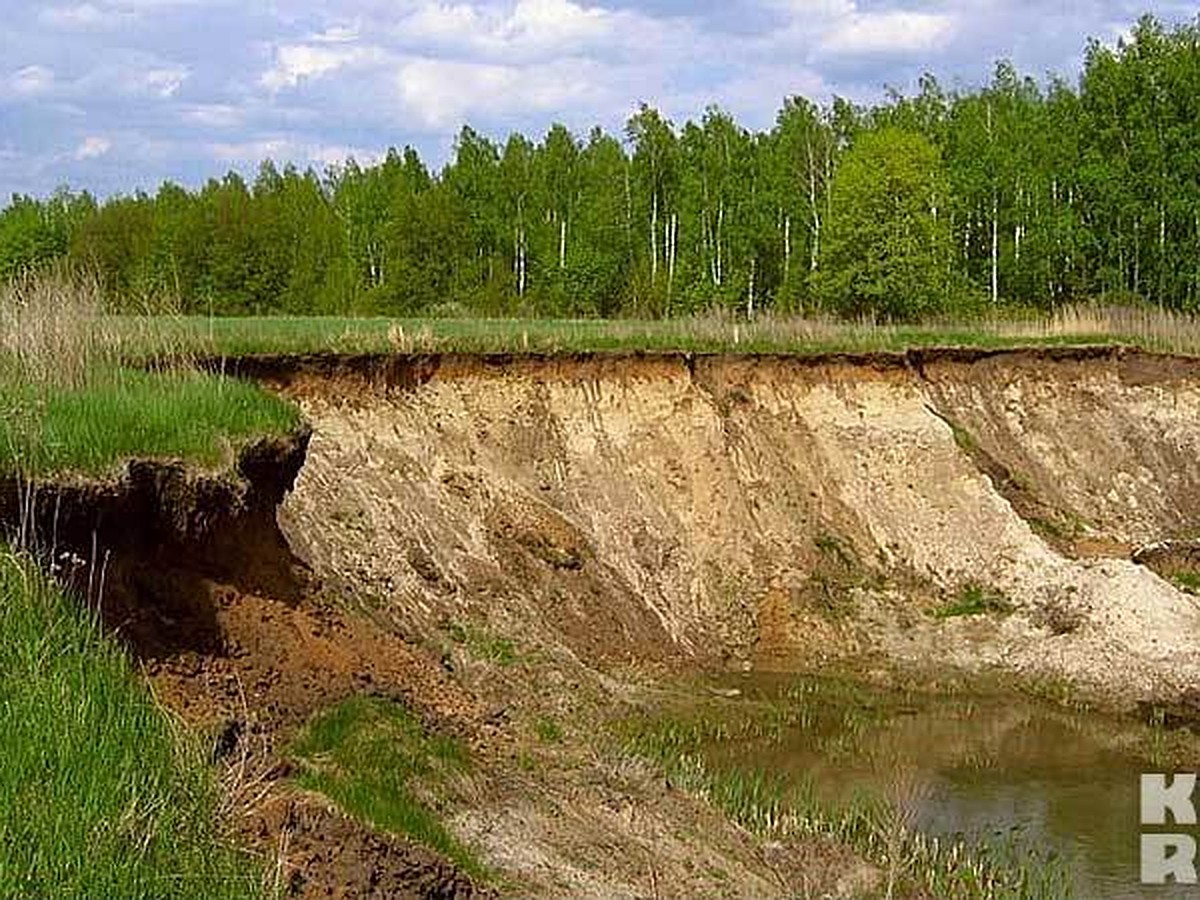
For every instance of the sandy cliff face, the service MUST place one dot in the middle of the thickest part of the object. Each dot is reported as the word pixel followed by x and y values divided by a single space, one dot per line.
pixel 772 512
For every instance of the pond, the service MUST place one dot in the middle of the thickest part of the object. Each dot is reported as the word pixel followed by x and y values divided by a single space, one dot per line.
pixel 989 769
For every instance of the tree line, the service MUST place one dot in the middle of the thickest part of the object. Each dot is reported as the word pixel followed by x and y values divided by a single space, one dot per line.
pixel 942 202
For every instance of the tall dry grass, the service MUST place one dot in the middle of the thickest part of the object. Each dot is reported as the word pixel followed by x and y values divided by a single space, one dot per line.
pixel 52 328
pixel 1147 326
pixel 56 331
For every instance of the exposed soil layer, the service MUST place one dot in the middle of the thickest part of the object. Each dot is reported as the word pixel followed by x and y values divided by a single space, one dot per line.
pixel 765 510
pixel 328 855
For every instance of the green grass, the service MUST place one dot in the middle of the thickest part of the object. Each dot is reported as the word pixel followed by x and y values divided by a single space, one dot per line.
pixel 284 334
pixel 1089 323
pixel 1187 581
pixel 374 759
pixel 120 413
pixel 101 795
pixel 548 731
pixel 483 644
pixel 974 599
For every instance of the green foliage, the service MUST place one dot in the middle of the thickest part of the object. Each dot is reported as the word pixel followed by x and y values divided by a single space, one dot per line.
pixel 548 731
pixel 887 246
pixel 119 414
pixel 374 759
pixel 974 599
pixel 1187 581
pixel 101 795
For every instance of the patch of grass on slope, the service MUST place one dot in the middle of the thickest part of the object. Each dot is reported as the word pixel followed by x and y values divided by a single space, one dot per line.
pixel 974 599
pixel 117 414
pixel 100 795
pixel 372 757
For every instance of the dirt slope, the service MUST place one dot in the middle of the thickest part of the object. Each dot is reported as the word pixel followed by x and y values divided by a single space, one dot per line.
pixel 741 511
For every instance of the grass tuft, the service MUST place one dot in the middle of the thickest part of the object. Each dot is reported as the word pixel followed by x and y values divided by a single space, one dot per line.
pixel 123 414
pixel 1188 582
pixel 974 599
pixel 481 643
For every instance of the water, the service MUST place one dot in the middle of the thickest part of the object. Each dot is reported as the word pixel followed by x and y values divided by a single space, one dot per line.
pixel 994 769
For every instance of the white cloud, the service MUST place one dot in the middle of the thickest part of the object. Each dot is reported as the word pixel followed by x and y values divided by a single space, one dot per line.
pixel 335 34
pixel 164 82
pixel 530 29
pixel 282 149
pixel 32 80
pixel 556 22
pixel 888 33
pixel 248 151
pixel 443 94
pixel 213 115
pixel 295 63
pixel 83 15
pixel 92 147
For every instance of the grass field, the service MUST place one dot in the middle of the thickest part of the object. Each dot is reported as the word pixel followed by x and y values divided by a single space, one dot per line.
pixel 1147 327
pixel 100 795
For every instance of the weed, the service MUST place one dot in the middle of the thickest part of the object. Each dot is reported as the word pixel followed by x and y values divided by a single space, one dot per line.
pixel 837 575
pixel 833 547
pixel 548 731
pixel 1187 581
pixel 368 755
pixel 963 438
pixel 1059 616
pixel 483 644
pixel 974 599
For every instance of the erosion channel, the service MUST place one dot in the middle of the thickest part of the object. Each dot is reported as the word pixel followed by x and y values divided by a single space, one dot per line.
pixel 651 625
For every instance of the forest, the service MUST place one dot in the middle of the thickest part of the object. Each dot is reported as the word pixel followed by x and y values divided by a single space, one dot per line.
pixel 1022 193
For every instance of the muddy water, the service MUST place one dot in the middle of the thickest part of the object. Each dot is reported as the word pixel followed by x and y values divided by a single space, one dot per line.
pixel 998 770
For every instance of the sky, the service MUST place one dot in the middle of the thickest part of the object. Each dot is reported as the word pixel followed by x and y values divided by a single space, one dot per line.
pixel 116 95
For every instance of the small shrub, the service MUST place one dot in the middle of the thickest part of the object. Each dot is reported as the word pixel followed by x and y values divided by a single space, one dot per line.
pixel 1059 616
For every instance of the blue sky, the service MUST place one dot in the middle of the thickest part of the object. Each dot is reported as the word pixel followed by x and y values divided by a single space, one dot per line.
pixel 112 95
